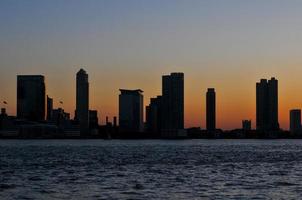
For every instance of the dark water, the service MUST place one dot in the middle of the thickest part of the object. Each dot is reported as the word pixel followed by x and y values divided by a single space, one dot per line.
pixel 155 169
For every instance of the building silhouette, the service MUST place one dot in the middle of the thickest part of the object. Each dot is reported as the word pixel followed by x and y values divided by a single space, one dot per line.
pixel 82 102
pixel 3 118
pixel 31 97
pixel 267 105
pixel 114 122
pixel 59 117
pixel 131 110
pixel 153 115
pixel 211 110
pixel 172 102
pixel 49 108
pixel 7 123
pixel 295 120
pixel 246 125
pixel 93 119
pixel 3 112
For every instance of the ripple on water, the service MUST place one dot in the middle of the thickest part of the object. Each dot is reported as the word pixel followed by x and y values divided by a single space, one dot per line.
pixel 214 169
pixel 6 186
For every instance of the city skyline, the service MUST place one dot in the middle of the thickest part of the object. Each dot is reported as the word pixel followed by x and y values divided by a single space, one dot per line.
pixel 226 45
pixel 150 99
pixel 60 104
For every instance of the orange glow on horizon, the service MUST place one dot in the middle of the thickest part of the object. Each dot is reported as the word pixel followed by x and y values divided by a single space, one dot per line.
pixel 234 102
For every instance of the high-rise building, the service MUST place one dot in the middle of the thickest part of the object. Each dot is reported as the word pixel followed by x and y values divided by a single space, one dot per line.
pixel 172 102
pixel 267 105
pixel 31 97
pixel 114 122
pixel 82 102
pixel 273 104
pixel 295 120
pixel 153 115
pixel 93 119
pixel 211 109
pixel 49 108
pixel 131 110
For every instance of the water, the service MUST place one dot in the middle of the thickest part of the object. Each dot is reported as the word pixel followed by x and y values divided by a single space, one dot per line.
pixel 150 169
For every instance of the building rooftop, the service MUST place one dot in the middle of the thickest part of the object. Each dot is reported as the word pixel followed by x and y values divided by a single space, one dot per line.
pixel 136 91
pixel 30 76
pixel 82 71
pixel 180 74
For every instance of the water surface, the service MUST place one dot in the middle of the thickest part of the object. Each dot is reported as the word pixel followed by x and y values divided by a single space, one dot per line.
pixel 150 169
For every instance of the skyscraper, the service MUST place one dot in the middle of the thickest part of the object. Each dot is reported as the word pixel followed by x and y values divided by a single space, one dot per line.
pixel 49 108
pixel 172 102
pixel 295 120
pixel 131 110
pixel 31 97
pixel 211 109
pixel 153 115
pixel 82 101
pixel 267 105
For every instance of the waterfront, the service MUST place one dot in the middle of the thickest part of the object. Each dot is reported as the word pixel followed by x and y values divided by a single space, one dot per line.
pixel 150 169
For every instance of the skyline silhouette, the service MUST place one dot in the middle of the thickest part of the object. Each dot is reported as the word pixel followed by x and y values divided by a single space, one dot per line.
pixel 150 99
pixel 129 44
pixel 164 115
pixel 145 103
pixel 173 91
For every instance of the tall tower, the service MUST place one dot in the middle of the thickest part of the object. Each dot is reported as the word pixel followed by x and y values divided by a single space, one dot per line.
pixel 173 102
pixel 211 109
pixel 31 97
pixel 273 104
pixel 262 110
pixel 82 102
pixel 49 108
pixel 267 105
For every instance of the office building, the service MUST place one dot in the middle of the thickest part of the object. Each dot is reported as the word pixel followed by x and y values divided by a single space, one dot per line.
pixel 82 101
pixel 267 105
pixel 131 110
pixel 31 97
pixel 295 120
pixel 211 109
pixel 49 108
pixel 172 102
pixel 93 119
pixel 114 122
pixel 153 115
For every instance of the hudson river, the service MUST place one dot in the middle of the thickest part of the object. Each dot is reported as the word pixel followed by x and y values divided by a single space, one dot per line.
pixel 150 169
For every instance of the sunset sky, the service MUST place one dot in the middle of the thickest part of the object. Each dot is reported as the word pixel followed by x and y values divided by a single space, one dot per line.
pixel 229 45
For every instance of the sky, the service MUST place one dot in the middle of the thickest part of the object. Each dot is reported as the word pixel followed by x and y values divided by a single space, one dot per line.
pixel 229 45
